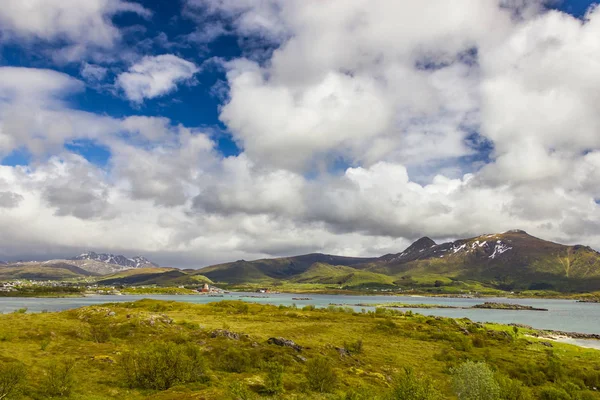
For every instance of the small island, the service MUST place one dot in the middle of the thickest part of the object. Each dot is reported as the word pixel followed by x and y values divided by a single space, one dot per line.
pixel 486 305
pixel 507 306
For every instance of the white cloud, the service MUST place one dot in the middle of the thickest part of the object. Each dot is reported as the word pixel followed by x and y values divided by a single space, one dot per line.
pixel 93 73
pixel 155 76
pixel 83 25
pixel 356 95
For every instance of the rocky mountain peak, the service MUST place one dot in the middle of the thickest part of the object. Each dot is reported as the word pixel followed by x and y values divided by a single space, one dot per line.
pixel 134 262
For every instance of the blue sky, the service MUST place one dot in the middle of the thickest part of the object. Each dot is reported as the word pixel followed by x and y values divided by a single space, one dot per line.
pixel 196 131
pixel 196 105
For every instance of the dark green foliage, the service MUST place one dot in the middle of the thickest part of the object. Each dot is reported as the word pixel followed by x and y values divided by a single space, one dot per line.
pixel 513 389
pixel 235 360
pixel 474 381
pixel 320 375
pixel 58 379
pixel 554 370
pixel 553 393
pixel 239 391
pixel 274 378
pixel 410 386
pixel 12 375
pixel 355 347
pixel 160 366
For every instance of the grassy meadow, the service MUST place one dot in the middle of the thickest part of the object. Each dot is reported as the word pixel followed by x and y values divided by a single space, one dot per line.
pixel 170 350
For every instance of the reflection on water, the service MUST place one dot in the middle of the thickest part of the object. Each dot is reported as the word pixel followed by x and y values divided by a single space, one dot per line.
pixel 563 315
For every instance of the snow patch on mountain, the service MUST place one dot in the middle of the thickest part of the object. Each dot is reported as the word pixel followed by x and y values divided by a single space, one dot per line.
pixel 134 262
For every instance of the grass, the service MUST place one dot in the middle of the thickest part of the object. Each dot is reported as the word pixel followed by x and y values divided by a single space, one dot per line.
pixel 92 343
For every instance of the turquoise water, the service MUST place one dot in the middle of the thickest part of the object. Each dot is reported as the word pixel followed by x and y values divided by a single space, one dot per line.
pixel 563 315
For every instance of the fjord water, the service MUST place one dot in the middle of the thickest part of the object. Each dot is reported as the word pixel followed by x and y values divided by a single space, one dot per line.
pixel 562 315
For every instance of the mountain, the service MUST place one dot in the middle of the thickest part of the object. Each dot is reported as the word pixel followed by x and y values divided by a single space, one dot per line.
pixel 271 270
pixel 153 276
pixel 509 260
pixel 134 262
pixel 512 260
pixel 40 271
pixel 86 264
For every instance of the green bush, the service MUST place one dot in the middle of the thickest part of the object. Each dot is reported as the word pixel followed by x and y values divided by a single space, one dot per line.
pixel 239 391
pixel 274 379
pixel 58 379
pixel 354 347
pixel 162 365
pixel 235 360
pixel 12 375
pixel 513 389
pixel 475 381
pixel 552 393
pixel 410 386
pixel 554 368
pixel 320 375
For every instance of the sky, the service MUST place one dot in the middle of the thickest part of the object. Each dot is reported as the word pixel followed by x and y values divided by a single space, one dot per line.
pixel 194 132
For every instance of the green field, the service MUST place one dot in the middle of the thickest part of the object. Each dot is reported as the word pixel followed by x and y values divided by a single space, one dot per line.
pixel 169 350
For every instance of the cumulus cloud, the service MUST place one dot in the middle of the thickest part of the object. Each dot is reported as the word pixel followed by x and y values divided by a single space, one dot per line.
pixel 155 76
pixel 10 199
pixel 93 73
pixel 494 103
pixel 83 25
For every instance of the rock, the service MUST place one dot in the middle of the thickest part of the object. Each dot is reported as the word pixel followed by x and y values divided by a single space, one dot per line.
pixel 111 314
pixel 547 344
pixel 299 357
pixel 225 333
pixel 343 352
pixel 284 343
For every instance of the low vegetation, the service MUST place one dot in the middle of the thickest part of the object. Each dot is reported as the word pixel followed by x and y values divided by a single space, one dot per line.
pixel 234 350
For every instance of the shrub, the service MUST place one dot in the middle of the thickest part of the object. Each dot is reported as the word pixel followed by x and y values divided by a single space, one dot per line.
pixel 554 368
pixel 58 379
pixel 410 386
pixel 12 376
pixel 354 347
pixel 239 391
pixel 274 379
pixel 162 365
pixel 100 333
pixel 235 360
pixel 552 393
pixel 475 381
pixel 320 375
pixel 513 389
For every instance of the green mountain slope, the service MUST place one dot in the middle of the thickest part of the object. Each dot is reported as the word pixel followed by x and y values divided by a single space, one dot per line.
pixel 342 276
pixel 512 260
pixel 42 271
pixel 270 270
pixel 153 276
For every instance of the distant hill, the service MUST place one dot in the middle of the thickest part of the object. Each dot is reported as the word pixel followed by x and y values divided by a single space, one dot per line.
pixel 122 261
pixel 153 276
pixel 39 271
pixel 86 264
pixel 512 260
pixel 270 270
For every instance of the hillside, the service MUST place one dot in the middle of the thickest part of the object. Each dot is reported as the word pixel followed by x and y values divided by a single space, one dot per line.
pixel 342 276
pixel 153 349
pixel 41 271
pixel 512 260
pixel 153 276
pixel 270 270
pixel 86 264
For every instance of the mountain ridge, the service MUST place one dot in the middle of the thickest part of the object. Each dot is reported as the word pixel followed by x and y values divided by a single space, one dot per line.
pixel 509 260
